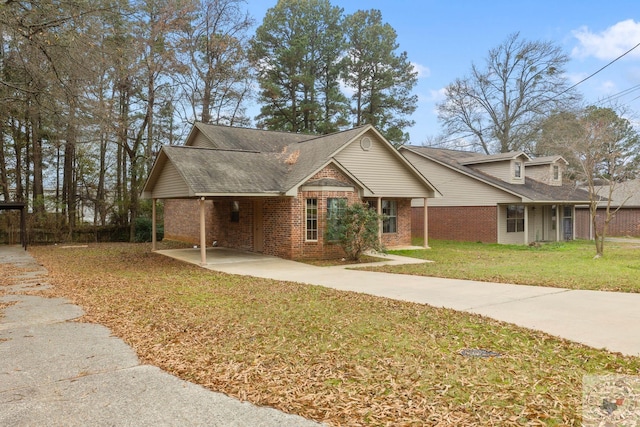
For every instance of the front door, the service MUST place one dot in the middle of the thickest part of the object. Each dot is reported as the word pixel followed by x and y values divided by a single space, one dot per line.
pixel 258 234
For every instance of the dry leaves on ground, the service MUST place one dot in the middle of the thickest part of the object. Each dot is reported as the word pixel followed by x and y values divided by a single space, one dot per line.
pixel 337 357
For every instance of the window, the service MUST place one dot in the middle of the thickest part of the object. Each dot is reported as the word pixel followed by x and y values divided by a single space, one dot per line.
pixel 556 172
pixel 335 207
pixel 515 218
pixel 312 219
pixel 235 211
pixel 517 169
pixel 390 213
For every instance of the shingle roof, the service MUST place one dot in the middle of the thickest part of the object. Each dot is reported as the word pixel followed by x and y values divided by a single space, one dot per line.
pixel 210 170
pixel 249 139
pixel 531 190
pixel 252 161
pixel 546 160
pixel 625 193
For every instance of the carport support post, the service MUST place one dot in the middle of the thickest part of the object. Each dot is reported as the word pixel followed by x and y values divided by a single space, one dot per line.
pixel 153 224
pixel 203 235
pixel 426 225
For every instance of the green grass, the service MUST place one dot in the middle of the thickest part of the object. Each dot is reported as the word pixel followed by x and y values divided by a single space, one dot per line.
pixel 338 357
pixel 566 265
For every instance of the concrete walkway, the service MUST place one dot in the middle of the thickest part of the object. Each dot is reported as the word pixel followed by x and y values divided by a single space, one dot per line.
pixel 56 372
pixel 608 320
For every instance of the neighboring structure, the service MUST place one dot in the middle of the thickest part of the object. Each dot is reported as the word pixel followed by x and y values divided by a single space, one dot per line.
pixel 272 192
pixel 503 198
pixel 625 222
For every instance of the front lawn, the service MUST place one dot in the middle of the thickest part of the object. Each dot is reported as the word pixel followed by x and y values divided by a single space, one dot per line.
pixel 565 265
pixel 332 356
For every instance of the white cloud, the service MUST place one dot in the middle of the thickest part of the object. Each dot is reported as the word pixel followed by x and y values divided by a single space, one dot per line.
pixel 610 43
pixel 438 95
pixel 423 71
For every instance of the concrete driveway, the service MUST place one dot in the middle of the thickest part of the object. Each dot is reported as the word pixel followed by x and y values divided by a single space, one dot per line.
pixel 609 320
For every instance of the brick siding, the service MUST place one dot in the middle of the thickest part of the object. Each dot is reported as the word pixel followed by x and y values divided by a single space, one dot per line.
pixel 625 223
pixel 469 223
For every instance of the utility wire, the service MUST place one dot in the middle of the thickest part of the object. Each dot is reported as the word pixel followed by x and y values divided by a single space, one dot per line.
pixel 593 74
pixel 620 94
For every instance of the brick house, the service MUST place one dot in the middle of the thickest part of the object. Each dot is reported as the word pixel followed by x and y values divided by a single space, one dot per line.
pixel 271 192
pixel 505 198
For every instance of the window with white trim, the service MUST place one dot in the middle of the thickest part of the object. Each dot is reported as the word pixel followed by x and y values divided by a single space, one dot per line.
pixel 335 207
pixel 390 213
pixel 556 172
pixel 515 218
pixel 312 219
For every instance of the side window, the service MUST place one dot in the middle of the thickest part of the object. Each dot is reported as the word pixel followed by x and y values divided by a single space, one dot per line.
pixel 556 172
pixel 312 219
pixel 390 212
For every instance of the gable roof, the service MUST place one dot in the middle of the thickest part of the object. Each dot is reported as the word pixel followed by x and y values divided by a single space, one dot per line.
pixel 241 161
pixel 531 191
pixel 546 160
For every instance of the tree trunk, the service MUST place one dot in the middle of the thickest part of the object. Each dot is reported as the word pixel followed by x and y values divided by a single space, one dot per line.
pixel 4 182
pixel 36 152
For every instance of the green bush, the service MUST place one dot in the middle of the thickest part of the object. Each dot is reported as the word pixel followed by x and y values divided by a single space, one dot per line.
pixel 355 229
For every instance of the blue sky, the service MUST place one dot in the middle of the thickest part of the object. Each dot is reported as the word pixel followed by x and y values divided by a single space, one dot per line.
pixel 444 37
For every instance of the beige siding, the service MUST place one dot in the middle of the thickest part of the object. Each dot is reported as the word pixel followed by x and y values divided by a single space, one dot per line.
pixel 504 237
pixel 380 170
pixel 457 189
pixel 544 173
pixel 503 170
pixel 170 184
pixel 199 140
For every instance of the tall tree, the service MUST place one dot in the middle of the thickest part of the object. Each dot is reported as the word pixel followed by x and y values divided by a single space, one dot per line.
pixel 297 52
pixel 381 79
pixel 218 81
pixel 603 150
pixel 500 106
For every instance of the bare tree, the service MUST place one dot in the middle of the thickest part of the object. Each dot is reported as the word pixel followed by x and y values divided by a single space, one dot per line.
pixel 217 83
pixel 502 104
pixel 603 150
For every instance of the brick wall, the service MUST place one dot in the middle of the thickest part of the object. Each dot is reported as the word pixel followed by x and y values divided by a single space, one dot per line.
pixel 231 234
pixel 625 223
pixel 182 220
pixel 320 249
pixel 403 235
pixel 471 223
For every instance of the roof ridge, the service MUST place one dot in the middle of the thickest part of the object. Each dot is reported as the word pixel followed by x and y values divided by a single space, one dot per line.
pixel 212 148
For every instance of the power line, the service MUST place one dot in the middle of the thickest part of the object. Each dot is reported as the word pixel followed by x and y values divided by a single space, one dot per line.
pixel 593 74
pixel 620 94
